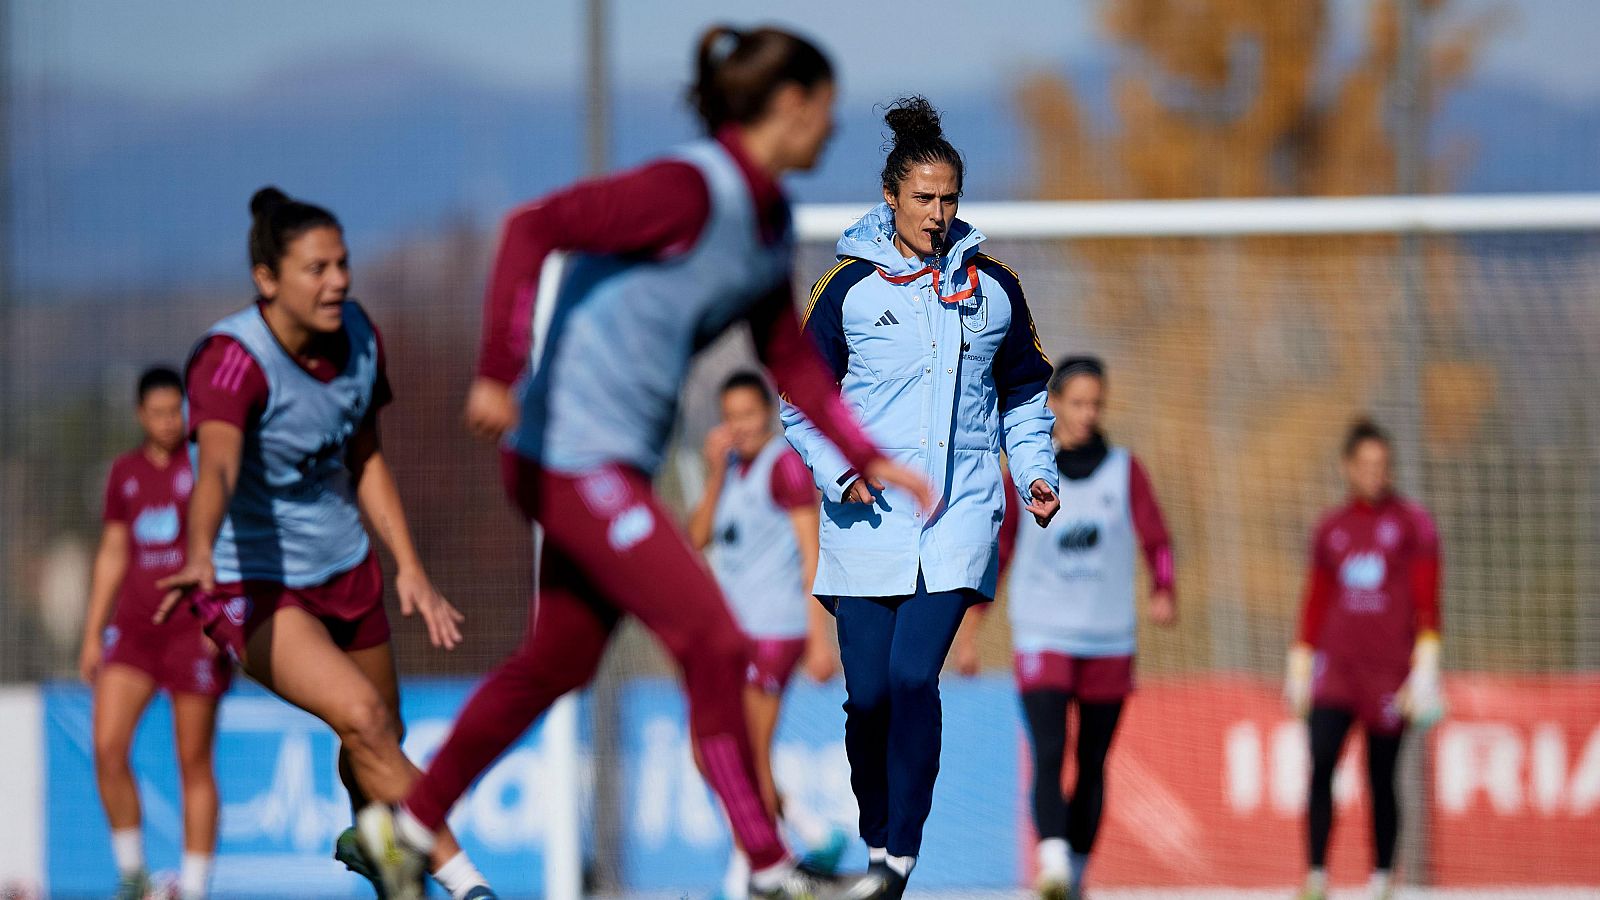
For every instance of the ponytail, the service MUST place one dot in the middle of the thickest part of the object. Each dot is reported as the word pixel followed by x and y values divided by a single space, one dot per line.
pixel 276 220
pixel 737 72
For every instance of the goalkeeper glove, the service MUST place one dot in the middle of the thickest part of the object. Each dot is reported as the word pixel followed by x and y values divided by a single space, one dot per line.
pixel 1297 681
pixel 1420 699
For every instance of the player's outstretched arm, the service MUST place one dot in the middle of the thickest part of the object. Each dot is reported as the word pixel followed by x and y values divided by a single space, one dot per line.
pixel 379 498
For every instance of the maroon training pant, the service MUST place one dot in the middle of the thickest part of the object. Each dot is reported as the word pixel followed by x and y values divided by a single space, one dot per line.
pixel 610 549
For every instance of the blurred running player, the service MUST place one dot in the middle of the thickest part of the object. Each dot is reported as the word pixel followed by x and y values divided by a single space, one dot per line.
pixel 283 400
pixel 623 280
pixel 127 658
pixel 1072 601
pixel 1368 648
pixel 759 517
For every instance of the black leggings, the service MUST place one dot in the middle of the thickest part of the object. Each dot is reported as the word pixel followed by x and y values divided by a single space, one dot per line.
pixel 1076 818
pixel 1328 729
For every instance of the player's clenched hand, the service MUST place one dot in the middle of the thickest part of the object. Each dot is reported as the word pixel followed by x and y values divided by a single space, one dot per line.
pixel 418 595
pixel 719 443
pixel 822 660
pixel 967 660
pixel 1042 502
pixel 1163 610
pixel 89 658
pixel 860 491
pixel 491 409
pixel 197 574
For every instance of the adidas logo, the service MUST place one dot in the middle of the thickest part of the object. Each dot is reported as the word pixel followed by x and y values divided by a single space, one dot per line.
pixel 887 319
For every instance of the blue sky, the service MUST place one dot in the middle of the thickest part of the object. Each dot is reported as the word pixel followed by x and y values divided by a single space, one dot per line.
pixel 196 48
pixel 402 114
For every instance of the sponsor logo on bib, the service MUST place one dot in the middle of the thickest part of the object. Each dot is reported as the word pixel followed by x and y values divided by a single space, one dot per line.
pixel 1363 572
pixel 628 529
pixel 1079 537
pixel 157 525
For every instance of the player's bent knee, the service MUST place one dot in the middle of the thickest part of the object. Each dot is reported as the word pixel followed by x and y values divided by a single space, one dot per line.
pixel 366 726
pixel 713 646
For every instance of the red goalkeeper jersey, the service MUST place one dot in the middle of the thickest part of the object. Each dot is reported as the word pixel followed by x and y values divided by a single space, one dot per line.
pixel 1374 582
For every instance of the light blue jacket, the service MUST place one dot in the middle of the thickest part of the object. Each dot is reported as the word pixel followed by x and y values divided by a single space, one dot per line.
pixel 942 382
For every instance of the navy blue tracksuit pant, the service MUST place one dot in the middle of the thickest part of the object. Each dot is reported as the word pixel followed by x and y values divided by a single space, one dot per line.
pixel 892 649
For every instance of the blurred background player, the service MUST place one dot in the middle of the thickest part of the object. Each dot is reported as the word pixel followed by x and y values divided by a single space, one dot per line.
pixel 759 517
pixel 127 658
pixel 654 263
pixel 284 398
pixel 1072 616
pixel 934 342
pixel 1368 648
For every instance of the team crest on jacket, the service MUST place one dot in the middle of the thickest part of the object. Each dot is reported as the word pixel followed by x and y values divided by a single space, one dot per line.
pixel 974 312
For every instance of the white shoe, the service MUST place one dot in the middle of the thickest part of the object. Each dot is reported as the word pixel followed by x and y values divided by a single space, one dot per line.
pixel 399 866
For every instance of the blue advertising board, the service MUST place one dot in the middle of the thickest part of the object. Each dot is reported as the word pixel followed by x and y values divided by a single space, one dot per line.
pixel 282 803
pixel 676 837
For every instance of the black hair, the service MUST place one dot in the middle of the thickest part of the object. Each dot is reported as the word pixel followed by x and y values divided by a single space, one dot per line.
pixel 1076 365
pixel 737 72
pixel 918 139
pixel 748 379
pixel 276 220
pixel 1361 431
pixel 157 377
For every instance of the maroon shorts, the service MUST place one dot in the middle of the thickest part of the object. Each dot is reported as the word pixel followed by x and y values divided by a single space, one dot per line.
pixel 350 605
pixel 1362 690
pixel 772 662
pixel 177 655
pixel 1092 679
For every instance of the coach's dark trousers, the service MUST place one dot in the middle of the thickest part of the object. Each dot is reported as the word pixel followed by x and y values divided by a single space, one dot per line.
pixel 892 649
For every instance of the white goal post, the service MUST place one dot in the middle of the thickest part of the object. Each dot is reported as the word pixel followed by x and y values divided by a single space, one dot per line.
pixel 1044 220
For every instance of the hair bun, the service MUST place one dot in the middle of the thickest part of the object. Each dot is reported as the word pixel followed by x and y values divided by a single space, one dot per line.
pixel 266 200
pixel 913 120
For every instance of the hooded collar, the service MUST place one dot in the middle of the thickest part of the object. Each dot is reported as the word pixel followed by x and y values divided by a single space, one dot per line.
pixel 872 238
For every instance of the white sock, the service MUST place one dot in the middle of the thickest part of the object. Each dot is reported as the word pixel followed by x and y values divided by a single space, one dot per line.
pixel 194 875
pixel 1078 862
pixel 458 875
pixel 127 848
pixel 902 865
pixel 808 826
pixel 877 855
pixel 1380 882
pixel 1053 860
pixel 769 878
pixel 1317 879
pixel 411 830
pixel 736 880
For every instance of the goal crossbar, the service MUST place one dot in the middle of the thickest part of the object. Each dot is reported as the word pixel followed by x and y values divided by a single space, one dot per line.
pixel 1455 213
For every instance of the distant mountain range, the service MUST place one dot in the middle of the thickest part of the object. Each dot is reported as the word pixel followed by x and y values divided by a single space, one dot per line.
pixel 115 189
